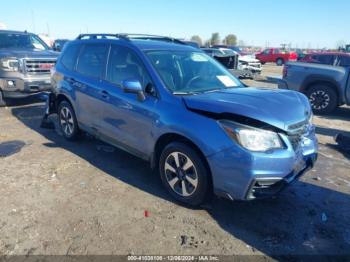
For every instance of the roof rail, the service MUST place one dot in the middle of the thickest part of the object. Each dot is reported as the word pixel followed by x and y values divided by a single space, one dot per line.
pixel 100 36
pixel 131 36
pixel 153 37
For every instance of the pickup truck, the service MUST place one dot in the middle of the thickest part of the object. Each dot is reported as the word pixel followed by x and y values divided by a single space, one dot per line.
pixel 326 86
pixel 25 63
pixel 276 55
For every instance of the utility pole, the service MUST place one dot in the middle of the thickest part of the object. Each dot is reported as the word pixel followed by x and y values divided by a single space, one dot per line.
pixel 48 28
pixel 33 22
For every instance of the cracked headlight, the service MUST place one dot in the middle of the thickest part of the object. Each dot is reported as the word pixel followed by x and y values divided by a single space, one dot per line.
pixel 9 64
pixel 253 139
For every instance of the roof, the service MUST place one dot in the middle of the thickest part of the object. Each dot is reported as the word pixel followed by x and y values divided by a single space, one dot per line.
pixel 328 53
pixel 14 32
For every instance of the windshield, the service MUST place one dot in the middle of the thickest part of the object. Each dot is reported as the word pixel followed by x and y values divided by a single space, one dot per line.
pixel 228 52
pixel 188 72
pixel 22 41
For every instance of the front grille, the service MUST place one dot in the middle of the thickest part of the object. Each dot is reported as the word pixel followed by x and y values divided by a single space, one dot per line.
pixel 39 66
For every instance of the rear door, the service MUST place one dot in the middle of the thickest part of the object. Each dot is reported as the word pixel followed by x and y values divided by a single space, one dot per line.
pixel 276 53
pixel 89 96
pixel 266 55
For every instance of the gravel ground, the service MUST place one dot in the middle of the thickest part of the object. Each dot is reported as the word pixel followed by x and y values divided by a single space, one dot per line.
pixel 60 197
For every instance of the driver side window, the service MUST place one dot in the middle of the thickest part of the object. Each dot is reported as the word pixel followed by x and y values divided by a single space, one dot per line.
pixel 124 64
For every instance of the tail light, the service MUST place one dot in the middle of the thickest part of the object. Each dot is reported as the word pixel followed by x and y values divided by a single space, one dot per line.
pixel 293 56
pixel 285 71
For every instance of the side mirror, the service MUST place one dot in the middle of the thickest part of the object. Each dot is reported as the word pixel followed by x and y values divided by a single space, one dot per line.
pixel 134 87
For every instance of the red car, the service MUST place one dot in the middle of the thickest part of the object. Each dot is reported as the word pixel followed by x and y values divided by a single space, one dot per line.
pixel 328 58
pixel 276 55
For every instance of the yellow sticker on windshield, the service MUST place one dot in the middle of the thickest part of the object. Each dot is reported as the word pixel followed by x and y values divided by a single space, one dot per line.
pixel 227 81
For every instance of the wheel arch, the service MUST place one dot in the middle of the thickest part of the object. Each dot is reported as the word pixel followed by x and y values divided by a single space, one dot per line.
pixel 312 81
pixel 168 138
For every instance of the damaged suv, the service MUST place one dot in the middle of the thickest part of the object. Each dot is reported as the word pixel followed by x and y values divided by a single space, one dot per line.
pixel 176 107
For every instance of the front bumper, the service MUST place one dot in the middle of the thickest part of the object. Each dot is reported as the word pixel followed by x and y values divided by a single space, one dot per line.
pixel 239 174
pixel 14 87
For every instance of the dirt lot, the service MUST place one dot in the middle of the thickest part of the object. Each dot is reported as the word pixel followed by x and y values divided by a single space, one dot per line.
pixel 60 197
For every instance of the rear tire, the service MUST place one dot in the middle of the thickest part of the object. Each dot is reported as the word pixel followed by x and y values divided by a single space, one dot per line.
pixel 279 61
pixel 184 174
pixel 323 98
pixel 68 121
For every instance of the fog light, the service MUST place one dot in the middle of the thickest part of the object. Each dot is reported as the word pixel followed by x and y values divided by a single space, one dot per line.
pixel 10 83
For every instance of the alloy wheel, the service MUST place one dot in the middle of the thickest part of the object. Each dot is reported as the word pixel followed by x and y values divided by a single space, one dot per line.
pixel 67 121
pixel 181 174
pixel 319 100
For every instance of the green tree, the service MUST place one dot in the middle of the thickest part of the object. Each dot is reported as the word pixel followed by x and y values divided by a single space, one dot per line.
pixel 231 39
pixel 197 39
pixel 215 39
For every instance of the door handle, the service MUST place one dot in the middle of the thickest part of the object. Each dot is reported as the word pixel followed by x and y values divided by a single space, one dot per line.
pixel 104 94
pixel 75 83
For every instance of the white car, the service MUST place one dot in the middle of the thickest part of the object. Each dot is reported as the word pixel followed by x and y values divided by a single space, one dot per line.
pixel 248 64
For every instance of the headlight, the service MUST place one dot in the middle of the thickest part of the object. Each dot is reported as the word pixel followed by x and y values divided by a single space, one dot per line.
pixel 253 139
pixel 9 64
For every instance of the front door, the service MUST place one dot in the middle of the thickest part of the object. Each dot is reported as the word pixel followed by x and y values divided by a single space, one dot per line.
pixel 125 119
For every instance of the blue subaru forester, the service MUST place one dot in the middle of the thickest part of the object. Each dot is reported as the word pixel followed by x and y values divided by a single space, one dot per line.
pixel 182 111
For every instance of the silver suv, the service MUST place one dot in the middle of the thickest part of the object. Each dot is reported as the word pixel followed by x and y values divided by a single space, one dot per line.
pixel 25 63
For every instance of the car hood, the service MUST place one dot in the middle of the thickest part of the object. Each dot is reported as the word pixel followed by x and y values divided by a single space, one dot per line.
pixel 28 53
pixel 279 108
pixel 248 59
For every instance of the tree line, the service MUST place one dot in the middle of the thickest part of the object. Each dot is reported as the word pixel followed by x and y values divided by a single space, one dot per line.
pixel 215 39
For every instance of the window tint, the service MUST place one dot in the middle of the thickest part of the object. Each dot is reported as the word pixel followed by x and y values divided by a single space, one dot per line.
pixel 92 60
pixel 344 60
pixel 69 57
pixel 276 51
pixel 124 64
pixel 266 51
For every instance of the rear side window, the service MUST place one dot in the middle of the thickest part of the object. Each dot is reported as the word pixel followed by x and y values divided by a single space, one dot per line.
pixel 344 60
pixel 69 57
pixel 92 60
pixel 323 59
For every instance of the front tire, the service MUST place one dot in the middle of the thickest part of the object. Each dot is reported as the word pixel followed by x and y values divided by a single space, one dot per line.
pixel 323 99
pixel 2 100
pixel 184 174
pixel 68 121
